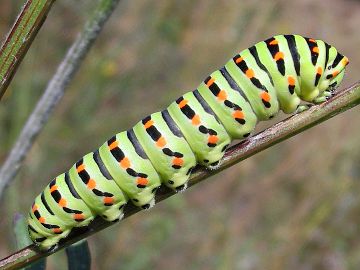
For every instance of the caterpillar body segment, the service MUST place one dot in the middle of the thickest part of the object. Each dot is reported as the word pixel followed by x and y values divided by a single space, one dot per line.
pixel 285 80
pixel 231 108
pixel 167 148
pixel 204 133
pixel 163 148
pixel 130 167
pixel 255 83
pixel 103 194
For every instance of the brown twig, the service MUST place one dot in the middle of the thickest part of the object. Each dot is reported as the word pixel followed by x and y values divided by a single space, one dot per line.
pixel 20 37
pixel 342 101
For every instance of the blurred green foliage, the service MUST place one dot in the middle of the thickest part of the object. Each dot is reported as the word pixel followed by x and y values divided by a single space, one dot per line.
pixel 294 206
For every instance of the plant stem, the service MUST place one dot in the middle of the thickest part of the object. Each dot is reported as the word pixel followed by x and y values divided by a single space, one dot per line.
pixel 20 37
pixel 342 101
pixel 54 91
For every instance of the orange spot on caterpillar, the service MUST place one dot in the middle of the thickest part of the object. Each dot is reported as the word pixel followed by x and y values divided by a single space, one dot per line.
pixel 113 145
pixel 213 139
pixel 142 181
pixel 239 60
pixel 315 49
pixel 53 188
pixel 91 184
pixel 222 95
pixel 161 142
pixel 274 42
pixel 312 40
pixel 80 168
pixel 62 202
pixel 250 73
pixel 345 61
pixel 57 230
pixel 291 80
pixel 108 200
pixel 195 120
pixel 125 163
pixel 238 114
pixel 210 82
pixel 265 96
pixel 148 124
pixel 278 56
pixel 178 161
pixel 183 103
pixel 319 70
pixel 79 216
pixel 41 219
pixel 335 73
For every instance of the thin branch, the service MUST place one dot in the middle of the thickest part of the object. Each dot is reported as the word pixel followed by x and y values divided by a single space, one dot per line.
pixel 20 37
pixel 54 91
pixel 341 102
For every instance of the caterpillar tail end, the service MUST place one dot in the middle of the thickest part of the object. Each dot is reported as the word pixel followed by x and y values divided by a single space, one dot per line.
pixel 46 243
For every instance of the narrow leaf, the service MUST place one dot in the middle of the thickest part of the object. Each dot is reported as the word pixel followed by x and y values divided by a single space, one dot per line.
pixel 20 37
pixel 78 256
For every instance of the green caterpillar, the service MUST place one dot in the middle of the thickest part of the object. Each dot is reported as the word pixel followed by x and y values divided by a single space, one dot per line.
pixel 163 148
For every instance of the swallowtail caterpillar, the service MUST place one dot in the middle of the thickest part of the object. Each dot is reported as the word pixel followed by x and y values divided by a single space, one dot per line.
pixel 163 148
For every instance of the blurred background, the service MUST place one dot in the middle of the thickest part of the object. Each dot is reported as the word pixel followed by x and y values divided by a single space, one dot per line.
pixel 294 206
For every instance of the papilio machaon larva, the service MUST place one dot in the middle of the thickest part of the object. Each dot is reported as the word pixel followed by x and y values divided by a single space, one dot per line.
pixel 163 148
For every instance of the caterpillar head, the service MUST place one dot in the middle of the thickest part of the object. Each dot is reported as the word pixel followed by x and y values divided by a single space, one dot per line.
pixel 334 71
